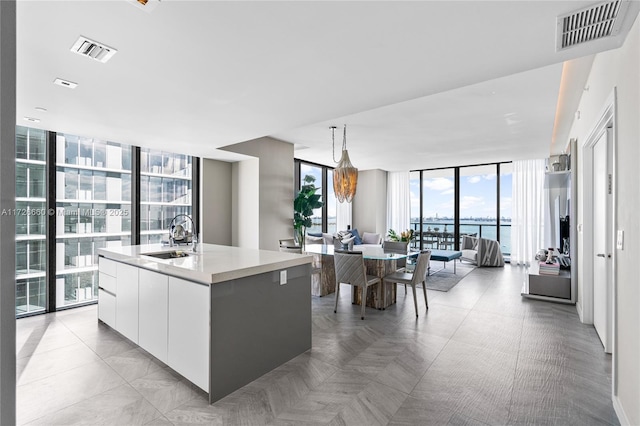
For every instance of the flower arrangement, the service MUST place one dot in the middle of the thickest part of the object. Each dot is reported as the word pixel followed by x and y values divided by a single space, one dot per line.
pixel 404 235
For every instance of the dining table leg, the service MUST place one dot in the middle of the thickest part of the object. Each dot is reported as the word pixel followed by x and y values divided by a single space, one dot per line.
pixel 378 296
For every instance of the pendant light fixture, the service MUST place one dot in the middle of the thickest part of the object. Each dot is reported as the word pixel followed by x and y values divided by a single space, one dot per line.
pixel 345 176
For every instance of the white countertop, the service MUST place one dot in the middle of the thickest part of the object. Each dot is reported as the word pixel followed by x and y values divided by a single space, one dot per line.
pixel 211 264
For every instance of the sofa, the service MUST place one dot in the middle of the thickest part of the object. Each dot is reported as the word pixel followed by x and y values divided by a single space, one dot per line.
pixel 481 251
pixel 353 239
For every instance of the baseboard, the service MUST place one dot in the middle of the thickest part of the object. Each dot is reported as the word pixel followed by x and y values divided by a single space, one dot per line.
pixel 617 406
pixel 579 309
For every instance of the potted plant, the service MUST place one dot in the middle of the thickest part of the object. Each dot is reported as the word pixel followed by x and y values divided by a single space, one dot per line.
pixel 405 236
pixel 303 205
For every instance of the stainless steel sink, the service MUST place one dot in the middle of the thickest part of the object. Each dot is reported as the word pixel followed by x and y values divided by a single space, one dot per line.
pixel 172 254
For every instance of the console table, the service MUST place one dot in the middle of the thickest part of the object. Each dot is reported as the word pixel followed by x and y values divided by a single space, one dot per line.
pixel 553 288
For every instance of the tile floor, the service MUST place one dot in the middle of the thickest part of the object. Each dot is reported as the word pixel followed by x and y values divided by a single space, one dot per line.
pixel 482 355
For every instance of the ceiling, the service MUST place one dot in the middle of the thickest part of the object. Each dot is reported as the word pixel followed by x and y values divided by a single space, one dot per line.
pixel 419 84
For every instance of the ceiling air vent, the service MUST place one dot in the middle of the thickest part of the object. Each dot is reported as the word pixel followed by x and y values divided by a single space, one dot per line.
pixel 595 22
pixel 93 49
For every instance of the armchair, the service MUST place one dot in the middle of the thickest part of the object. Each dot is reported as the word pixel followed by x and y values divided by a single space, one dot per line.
pixel 481 251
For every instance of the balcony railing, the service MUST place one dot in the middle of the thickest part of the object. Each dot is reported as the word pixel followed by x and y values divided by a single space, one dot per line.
pixel 485 230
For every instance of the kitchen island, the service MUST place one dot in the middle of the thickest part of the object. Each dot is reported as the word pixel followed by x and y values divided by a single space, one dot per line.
pixel 221 317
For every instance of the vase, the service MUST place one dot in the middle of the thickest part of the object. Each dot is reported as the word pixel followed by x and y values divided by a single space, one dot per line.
pixel 299 236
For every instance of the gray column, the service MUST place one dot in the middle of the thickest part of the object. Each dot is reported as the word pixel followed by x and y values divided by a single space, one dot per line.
pixel 7 222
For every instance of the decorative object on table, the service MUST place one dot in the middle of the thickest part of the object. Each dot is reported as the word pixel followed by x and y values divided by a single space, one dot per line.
pixel 303 205
pixel 550 257
pixel 344 240
pixel 405 236
pixel 541 254
pixel 547 268
pixel 345 175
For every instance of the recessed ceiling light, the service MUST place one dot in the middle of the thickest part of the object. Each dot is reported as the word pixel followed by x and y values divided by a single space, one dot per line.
pixel 93 49
pixel 40 109
pixel 65 83
pixel 32 120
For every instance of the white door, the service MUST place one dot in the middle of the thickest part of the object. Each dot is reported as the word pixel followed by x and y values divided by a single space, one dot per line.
pixel 602 291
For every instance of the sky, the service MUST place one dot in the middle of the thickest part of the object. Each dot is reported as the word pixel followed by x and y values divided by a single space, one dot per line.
pixel 477 192
pixel 477 195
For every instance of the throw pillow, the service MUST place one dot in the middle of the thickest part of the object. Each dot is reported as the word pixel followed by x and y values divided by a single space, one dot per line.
pixel 358 240
pixel 370 238
pixel 314 240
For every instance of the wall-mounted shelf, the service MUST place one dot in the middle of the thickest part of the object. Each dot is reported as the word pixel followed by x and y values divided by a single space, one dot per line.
pixel 561 288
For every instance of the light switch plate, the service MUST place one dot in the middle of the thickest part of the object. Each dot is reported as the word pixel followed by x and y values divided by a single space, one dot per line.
pixel 620 240
pixel 283 277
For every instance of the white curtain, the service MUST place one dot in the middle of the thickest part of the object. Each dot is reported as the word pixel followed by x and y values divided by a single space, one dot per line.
pixel 528 218
pixel 398 201
pixel 343 215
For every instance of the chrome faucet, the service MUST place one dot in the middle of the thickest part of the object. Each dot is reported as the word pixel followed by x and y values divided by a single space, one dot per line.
pixel 194 233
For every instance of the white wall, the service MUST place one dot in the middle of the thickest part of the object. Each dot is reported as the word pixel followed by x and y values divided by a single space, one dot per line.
pixel 215 202
pixel 275 206
pixel 370 202
pixel 619 68
pixel 7 222
pixel 245 203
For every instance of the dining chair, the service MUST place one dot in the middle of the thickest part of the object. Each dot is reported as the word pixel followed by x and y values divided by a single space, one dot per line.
pixel 419 276
pixel 400 247
pixel 350 269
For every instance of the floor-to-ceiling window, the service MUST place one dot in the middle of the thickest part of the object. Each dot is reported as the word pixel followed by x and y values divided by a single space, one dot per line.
pixel 31 217
pixel 505 207
pixel 451 202
pixel 332 205
pixel 93 210
pixel 478 201
pixel 165 192
pixel 85 186
pixel 307 169
pixel 438 207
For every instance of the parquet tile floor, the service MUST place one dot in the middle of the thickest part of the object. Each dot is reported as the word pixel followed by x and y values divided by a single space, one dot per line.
pixel 481 355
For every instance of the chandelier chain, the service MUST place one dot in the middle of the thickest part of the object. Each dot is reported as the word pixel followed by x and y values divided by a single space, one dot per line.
pixel 333 145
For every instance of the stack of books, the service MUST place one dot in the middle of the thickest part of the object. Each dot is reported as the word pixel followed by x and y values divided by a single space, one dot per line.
pixel 549 268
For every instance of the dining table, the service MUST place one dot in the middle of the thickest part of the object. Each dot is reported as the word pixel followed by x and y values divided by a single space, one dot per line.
pixel 377 262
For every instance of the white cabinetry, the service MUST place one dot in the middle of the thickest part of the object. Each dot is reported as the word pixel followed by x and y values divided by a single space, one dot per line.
pixel 107 292
pixel 188 344
pixel 107 308
pixel 153 313
pixel 127 301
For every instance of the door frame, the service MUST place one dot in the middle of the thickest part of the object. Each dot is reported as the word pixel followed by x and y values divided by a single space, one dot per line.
pixel 607 119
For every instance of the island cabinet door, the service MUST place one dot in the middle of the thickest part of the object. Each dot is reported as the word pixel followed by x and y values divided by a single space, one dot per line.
pixel 189 330
pixel 127 301
pixel 153 313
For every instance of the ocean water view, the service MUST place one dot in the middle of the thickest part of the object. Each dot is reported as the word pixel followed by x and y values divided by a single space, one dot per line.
pixel 482 228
